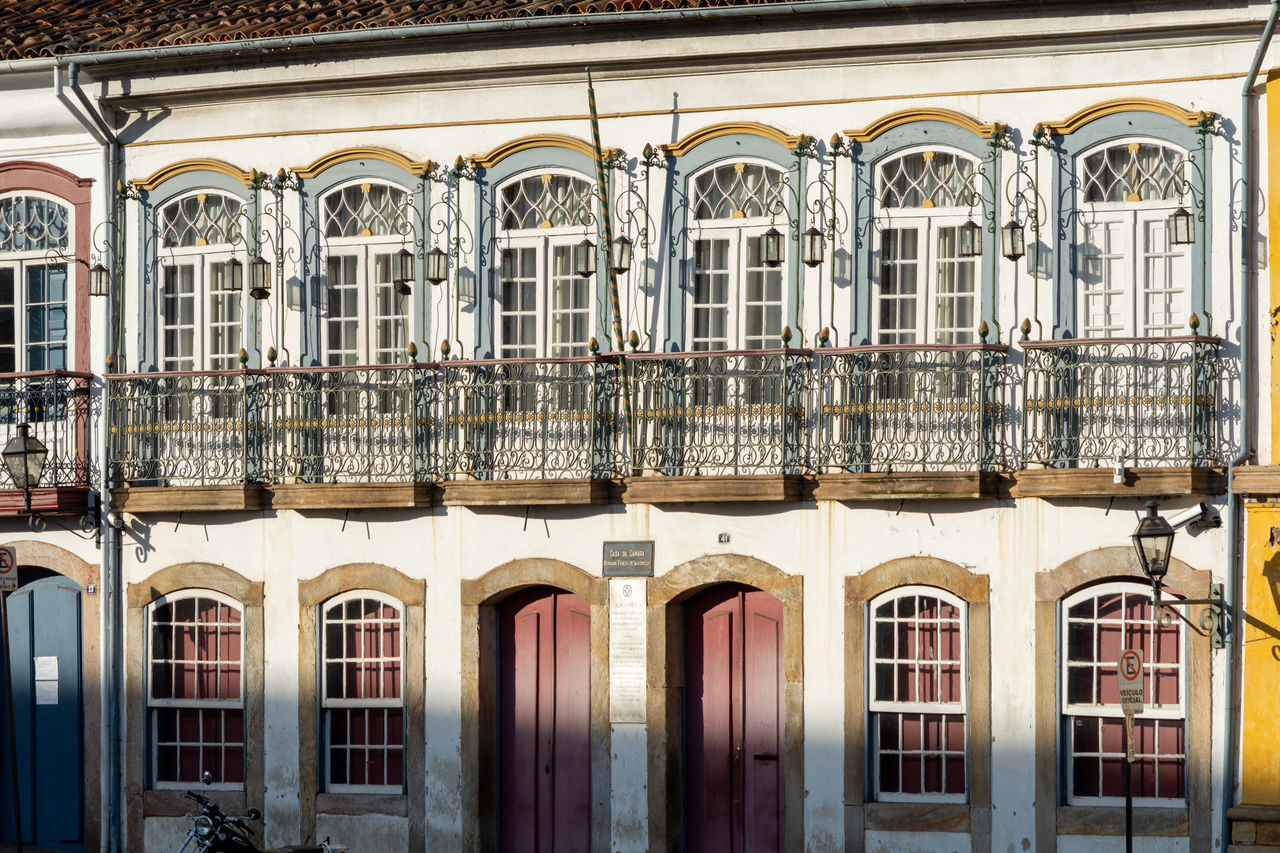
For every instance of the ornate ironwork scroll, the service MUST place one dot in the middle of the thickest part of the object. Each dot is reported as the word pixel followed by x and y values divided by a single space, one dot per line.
pixel 55 404
pixel 1146 401
pixel 721 413
pixel 912 408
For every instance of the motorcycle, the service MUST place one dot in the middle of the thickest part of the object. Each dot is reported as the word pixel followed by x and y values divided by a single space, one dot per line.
pixel 213 831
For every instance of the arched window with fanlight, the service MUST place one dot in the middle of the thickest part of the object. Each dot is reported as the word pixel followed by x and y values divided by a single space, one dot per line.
pixel 202 260
pixel 544 307
pixel 1132 278
pixel 737 299
pixel 35 248
pixel 366 312
pixel 926 290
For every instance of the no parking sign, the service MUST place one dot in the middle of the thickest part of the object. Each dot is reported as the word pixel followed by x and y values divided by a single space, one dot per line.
pixel 8 569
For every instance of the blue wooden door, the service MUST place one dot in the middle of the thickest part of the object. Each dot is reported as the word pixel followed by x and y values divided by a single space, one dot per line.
pixel 44 646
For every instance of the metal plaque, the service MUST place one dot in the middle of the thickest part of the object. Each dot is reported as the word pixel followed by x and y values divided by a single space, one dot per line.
pixel 627 651
pixel 628 559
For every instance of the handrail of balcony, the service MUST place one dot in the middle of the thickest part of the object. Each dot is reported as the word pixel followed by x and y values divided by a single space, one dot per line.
pixel 1093 402
pixel 55 405
pixel 912 407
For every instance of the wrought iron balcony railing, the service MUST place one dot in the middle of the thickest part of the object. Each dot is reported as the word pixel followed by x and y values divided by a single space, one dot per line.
pixel 721 413
pixel 912 408
pixel 1146 401
pixel 56 405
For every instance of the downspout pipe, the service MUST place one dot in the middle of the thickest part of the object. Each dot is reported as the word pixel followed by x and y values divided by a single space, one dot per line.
pixel 1248 288
pixel 82 108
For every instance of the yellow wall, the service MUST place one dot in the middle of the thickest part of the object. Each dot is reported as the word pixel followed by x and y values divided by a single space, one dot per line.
pixel 1260 736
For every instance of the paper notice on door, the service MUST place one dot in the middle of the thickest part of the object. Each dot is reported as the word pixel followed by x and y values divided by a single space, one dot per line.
pixel 46 678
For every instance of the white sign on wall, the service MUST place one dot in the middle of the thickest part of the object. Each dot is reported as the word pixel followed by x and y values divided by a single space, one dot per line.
pixel 627 650
pixel 1130 673
pixel 8 569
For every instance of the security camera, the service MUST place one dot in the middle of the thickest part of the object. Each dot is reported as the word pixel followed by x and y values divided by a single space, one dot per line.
pixel 1198 515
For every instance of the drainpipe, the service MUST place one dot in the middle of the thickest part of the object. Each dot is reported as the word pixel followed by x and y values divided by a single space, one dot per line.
pixel 1248 287
pixel 111 777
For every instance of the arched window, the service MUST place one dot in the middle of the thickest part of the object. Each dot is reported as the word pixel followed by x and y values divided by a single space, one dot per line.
pixel 1097 624
pixel 544 307
pixel 927 290
pixel 201 282
pixel 195 689
pixel 919 695
pixel 366 319
pixel 35 235
pixel 362 690
pixel 737 299
pixel 1132 280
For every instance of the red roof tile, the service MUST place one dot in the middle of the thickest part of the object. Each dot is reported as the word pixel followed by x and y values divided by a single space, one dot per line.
pixel 42 28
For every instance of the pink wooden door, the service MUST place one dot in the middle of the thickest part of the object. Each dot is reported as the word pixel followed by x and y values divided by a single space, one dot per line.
pixel 544 723
pixel 734 723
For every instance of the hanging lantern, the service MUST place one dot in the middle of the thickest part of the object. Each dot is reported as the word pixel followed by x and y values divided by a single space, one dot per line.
pixel 771 248
pixel 508 264
pixel 259 277
pixel 438 265
pixel 99 280
pixel 233 275
pixel 970 240
pixel 1181 227
pixel 1153 542
pixel 620 255
pixel 812 247
pixel 584 259
pixel 402 271
pixel 1013 240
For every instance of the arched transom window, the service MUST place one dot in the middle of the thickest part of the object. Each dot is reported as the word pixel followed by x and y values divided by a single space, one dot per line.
pixel 926 292
pixel 201 278
pixel 35 234
pixel 544 308
pixel 738 191
pixel 1132 280
pixel 366 318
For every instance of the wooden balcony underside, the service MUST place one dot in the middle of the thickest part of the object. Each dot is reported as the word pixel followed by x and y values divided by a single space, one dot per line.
pixel 1100 482
pixel 906 485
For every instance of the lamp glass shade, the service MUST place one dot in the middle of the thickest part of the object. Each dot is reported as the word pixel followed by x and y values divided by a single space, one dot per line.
pixel 403 263
pixel 970 235
pixel 1182 227
pixel 584 259
pixel 508 264
pixel 771 248
pixel 25 456
pixel 1013 240
pixel 812 247
pixel 1153 543
pixel 438 265
pixel 99 280
pixel 233 275
pixel 620 254
pixel 259 278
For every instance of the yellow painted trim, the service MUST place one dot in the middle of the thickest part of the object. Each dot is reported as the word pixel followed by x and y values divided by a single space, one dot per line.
pixel 346 155
pixel 901 117
pixel 1260 684
pixel 731 128
pixel 1120 105
pixel 1273 250
pixel 538 140
pixel 199 164
pixel 710 108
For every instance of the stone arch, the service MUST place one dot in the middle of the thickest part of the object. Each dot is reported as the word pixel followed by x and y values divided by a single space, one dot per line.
pixel 1093 112
pixel 31 552
pixel 1114 563
pixel 905 117
pixel 196 164
pixel 697 137
pixel 973 816
pixel 480 756
pixel 347 155
pixel 170 803
pixel 665 666
pixel 541 140
pixel 411 593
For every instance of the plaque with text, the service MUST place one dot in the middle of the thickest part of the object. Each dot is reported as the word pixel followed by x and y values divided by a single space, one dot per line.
pixel 627 651
pixel 628 559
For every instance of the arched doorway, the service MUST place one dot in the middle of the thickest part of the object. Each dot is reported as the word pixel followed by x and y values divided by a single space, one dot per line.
pixel 734 721
pixel 544 722
pixel 44 653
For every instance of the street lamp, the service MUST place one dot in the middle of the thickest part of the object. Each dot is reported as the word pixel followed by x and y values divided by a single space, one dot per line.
pixel 25 456
pixel 771 248
pixel 620 256
pixel 1013 240
pixel 584 258
pixel 402 271
pixel 1153 542
pixel 1181 225
pixel 970 240
pixel 437 265
pixel 812 246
